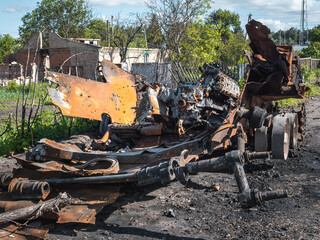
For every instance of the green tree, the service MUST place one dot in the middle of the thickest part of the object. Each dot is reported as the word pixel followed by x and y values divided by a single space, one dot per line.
pixel 66 17
pixel 232 51
pixel 96 28
pixel 125 34
pixel 313 50
pixel 122 32
pixel 315 34
pixel 200 45
pixel 8 45
pixel 174 17
pixel 288 37
pixel 154 35
pixel 228 24
pixel 225 21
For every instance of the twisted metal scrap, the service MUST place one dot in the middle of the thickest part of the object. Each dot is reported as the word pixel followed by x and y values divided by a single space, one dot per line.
pixel 37 210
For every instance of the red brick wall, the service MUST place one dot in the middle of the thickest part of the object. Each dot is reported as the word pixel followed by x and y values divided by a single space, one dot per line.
pixel 58 56
pixel 4 71
pixel 10 71
pixel 21 57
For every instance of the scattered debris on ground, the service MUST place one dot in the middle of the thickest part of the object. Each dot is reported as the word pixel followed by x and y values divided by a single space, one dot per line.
pixel 155 135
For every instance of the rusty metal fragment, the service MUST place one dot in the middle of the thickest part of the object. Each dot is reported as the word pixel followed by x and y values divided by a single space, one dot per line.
pixel 275 71
pixel 22 232
pixel 5 178
pixel 79 97
pixel 24 189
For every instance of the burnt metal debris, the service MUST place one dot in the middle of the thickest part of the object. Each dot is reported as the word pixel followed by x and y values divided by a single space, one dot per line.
pixel 153 134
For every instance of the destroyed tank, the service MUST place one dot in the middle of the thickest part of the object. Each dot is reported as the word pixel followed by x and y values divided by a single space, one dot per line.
pixel 156 134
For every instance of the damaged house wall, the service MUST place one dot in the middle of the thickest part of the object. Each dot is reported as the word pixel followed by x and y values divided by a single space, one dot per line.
pixel 27 52
pixel 83 56
pixel 58 51
pixel 78 59
pixel 134 56
pixel 10 71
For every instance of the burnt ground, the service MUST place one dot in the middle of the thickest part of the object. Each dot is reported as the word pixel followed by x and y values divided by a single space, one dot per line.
pixel 198 211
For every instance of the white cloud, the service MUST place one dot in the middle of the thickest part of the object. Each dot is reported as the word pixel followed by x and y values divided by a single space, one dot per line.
pixel 276 25
pixel 276 14
pixel 16 8
pixel 113 3
pixel 13 9
pixel 275 5
pixel 10 10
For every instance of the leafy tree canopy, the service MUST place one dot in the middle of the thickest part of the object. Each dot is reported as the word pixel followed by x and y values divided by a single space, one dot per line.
pixel 315 34
pixel 200 45
pixel 233 40
pixel 97 28
pixel 289 37
pixel 174 17
pixel 122 33
pixel 8 45
pixel 154 35
pixel 313 50
pixel 66 17
pixel 232 51
pixel 225 21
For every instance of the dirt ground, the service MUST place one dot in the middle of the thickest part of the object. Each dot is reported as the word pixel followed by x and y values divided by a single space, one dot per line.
pixel 199 212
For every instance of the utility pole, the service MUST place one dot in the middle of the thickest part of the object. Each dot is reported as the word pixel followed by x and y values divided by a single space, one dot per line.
pixel 112 27
pixel 108 32
pixel 144 30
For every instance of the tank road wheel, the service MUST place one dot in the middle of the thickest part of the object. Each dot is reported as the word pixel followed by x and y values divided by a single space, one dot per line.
pixel 261 139
pixel 294 128
pixel 280 139
pixel 104 124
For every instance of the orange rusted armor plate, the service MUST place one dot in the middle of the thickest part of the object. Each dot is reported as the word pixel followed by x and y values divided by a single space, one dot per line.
pixel 78 214
pixel 85 98
pixel 22 232
pixel 93 198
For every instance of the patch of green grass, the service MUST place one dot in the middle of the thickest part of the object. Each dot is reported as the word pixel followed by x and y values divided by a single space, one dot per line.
pixel 12 91
pixel 290 102
pixel 4 108
pixel 241 83
pixel 52 126
pixel 314 90
pixel 46 125
pixel 310 77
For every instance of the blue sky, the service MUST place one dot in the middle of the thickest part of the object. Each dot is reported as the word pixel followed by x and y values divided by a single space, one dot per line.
pixel 276 14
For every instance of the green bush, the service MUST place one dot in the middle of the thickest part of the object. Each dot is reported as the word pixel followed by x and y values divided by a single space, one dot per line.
pixel 13 86
pixel 310 77
pixel 12 91
pixel 51 126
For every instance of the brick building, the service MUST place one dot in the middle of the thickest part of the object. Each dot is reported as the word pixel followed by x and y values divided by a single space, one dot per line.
pixel 11 71
pixel 73 56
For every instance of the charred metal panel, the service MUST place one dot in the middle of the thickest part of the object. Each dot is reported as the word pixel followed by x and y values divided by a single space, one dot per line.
pixel 275 71
pixel 85 98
